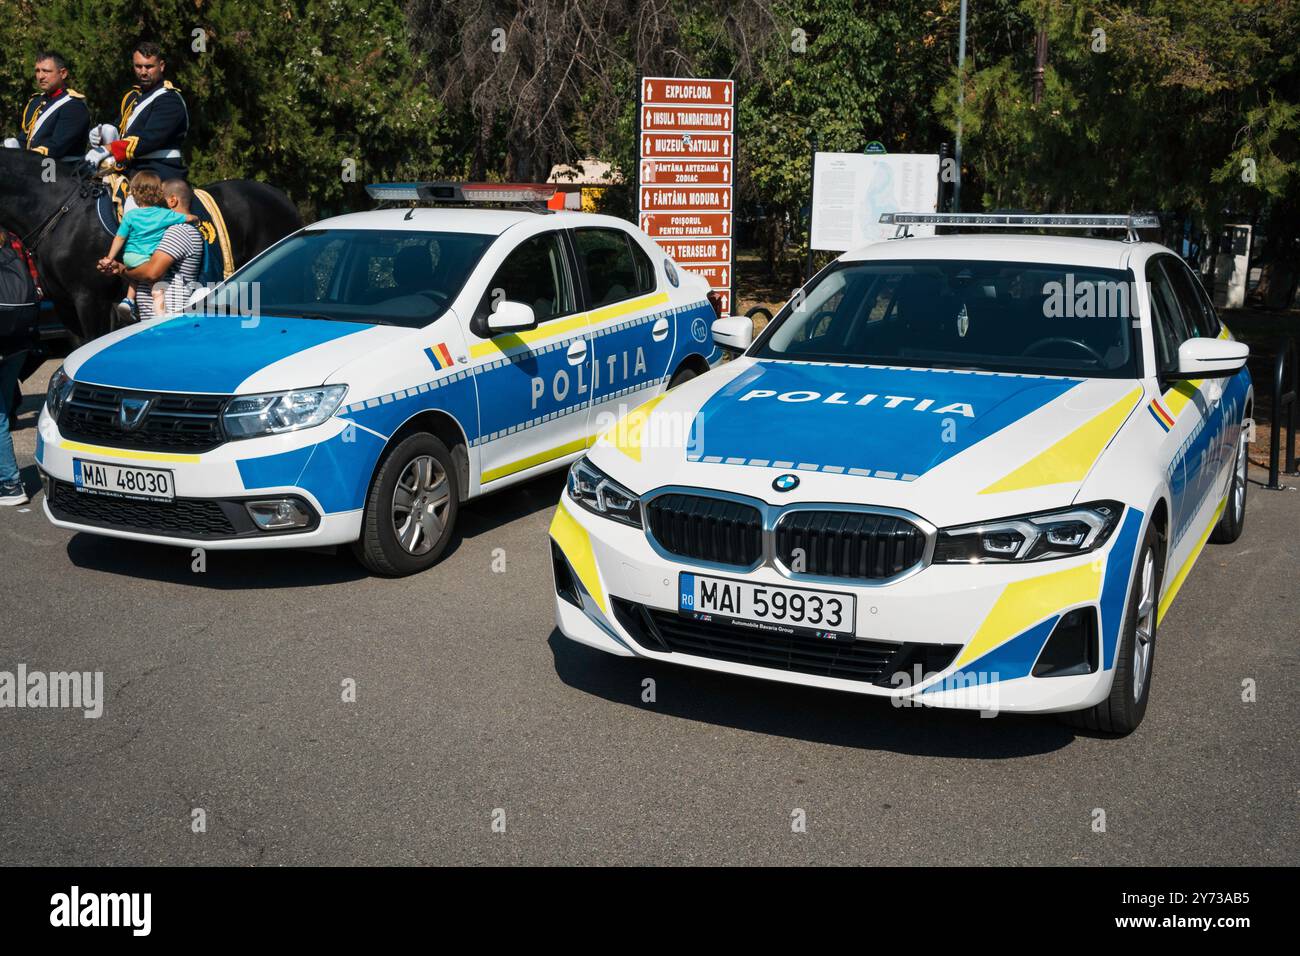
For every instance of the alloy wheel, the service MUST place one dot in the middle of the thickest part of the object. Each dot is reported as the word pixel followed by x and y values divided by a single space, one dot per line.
pixel 420 502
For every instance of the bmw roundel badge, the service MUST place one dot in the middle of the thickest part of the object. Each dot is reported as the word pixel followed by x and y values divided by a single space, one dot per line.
pixel 785 482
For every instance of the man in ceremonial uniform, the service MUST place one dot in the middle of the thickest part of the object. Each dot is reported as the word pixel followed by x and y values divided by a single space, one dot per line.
pixel 55 120
pixel 153 124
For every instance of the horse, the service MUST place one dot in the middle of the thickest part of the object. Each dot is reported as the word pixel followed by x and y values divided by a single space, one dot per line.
pixel 51 208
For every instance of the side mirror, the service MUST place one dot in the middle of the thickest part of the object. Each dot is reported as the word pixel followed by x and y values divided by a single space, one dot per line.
pixel 1211 358
pixel 734 333
pixel 511 317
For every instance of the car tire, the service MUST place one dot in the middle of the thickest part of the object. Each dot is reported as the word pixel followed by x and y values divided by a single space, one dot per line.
pixel 682 375
pixel 1126 704
pixel 1233 520
pixel 416 477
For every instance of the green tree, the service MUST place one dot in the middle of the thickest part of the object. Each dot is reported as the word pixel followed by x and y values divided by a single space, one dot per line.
pixel 286 91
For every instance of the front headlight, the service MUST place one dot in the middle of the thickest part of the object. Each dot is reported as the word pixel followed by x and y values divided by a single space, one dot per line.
pixel 1036 537
pixel 602 495
pixel 248 416
pixel 57 393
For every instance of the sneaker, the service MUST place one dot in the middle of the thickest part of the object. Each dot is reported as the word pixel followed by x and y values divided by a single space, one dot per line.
pixel 125 311
pixel 13 493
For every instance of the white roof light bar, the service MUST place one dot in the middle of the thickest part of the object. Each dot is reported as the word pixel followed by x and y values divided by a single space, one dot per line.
pixel 393 192
pixel 1024 220
pixel 450 192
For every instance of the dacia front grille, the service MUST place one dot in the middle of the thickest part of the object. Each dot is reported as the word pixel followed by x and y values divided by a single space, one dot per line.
pixel 174 422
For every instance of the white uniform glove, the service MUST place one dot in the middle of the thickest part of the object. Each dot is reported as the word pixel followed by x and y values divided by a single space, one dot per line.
pixel 96 136
pixel 97 156
pixel 11 143
pixel 109 132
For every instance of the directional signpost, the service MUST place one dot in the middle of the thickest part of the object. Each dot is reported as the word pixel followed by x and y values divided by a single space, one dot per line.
pixel 685 173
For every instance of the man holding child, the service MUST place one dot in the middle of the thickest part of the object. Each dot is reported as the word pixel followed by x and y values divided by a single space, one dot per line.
pixel 173 264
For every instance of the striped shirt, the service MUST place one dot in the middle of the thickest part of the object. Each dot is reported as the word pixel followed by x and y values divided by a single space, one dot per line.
pixel 185 246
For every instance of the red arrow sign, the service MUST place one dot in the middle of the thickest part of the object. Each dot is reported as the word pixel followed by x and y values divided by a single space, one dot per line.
pixel 685 225
pixel 697 250
pixel 686 145
pixel 718 275
pixel 685 172
pixel 664 89
pixel 709 198
pixel 700 119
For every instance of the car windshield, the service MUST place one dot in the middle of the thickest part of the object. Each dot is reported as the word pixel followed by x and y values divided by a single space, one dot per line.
pixel 960 314
pixel 402 278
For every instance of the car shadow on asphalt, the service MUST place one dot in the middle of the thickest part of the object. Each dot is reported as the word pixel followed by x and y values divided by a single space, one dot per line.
pixel 803 713
pixel 221 570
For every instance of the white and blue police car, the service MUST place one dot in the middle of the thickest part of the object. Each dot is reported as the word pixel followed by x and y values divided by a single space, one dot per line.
pixel 966 471
pixel 360 379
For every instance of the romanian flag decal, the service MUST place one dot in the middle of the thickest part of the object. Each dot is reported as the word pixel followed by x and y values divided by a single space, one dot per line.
pixel 1162 417
pixel 439 356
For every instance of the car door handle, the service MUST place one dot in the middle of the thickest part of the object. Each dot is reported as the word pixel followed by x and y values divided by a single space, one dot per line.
pixel 577 351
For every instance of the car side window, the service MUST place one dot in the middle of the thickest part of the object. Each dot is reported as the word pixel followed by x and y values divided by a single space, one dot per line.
pixel 615 267
pixel 1207 320
pixel 1199 323
pixel 536 274
pixel 1169 328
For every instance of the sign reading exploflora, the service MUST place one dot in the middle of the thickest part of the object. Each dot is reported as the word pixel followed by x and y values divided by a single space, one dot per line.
pixel 685 173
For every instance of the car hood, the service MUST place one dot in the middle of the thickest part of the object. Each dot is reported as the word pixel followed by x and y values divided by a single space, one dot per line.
pixel 226 354
pixel 949 445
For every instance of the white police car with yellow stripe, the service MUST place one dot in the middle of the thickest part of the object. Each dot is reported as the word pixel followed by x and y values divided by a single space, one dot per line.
pixel 363 377
pixel 961 471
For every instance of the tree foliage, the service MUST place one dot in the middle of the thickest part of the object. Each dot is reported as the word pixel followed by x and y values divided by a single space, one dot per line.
pixel 1190 106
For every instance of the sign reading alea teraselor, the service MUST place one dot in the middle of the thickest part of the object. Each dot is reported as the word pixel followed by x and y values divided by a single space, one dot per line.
pixel 685 166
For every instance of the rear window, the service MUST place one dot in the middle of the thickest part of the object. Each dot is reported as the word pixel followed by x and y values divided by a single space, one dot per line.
pixel 615 267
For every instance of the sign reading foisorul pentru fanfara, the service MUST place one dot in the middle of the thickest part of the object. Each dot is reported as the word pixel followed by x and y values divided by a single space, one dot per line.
pixel 685 173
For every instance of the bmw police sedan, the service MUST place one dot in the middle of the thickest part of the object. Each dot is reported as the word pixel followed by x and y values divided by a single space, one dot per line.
pixel 961 471
pixel 358 381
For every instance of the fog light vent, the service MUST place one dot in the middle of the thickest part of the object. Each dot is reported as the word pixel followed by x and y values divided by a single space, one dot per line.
pixel 278 514
pixel 565 585
pixel 1072 648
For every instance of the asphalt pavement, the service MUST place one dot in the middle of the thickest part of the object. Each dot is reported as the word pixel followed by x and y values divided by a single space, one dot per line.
pixel 480 735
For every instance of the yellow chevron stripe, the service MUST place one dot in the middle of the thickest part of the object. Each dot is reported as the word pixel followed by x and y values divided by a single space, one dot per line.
pixel 549 330
pixel 628 433
pixel 1176 398
pixel 127 453
pixel 1186 569
pixel 541 458
pixel 576 545
pixel 1022 604
pixel 1071 458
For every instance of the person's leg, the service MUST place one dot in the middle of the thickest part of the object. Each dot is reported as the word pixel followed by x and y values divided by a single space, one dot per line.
pixel 126 309
pixel 11 487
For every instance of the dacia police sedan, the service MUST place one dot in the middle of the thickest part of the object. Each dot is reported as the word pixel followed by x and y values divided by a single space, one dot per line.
pixel 359 380
pixel 965 471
